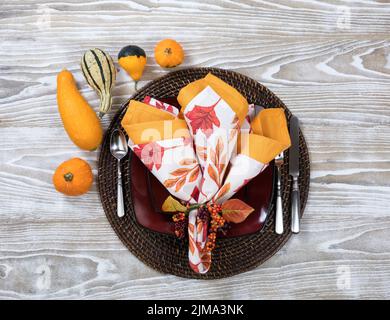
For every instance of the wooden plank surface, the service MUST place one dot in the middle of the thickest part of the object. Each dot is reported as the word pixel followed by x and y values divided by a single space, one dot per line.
pixel 329 61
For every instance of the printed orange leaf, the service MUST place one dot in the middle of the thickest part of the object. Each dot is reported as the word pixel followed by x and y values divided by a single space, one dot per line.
pixel 219 147
pixel 180 171
pixel 186 162
pixel 194 174
pixel 172 205
pixel 235 210
pixel 213 174
pixel 192 245
pixel 233 134
pixel 201 152
pixel 221 166
pixel 191 228
pixel 213 156
pixel 169 183
pixel 180 183
pixel 225 189
pixel 199 226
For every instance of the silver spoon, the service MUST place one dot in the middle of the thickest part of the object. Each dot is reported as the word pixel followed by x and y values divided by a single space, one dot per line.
pixel 119 149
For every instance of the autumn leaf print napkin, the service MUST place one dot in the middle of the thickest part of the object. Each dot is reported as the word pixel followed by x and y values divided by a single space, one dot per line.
pixel 164 144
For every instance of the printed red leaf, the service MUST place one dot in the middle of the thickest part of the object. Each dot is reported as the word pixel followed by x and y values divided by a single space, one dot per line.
pixel 147 99
pixel 203 118
pixel 151 154
pixel 235 210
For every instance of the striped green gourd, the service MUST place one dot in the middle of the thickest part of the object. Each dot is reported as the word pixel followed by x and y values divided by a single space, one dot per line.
pixel 100 73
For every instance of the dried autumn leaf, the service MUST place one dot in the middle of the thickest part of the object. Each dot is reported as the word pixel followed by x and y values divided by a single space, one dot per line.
pixel 180 171
pixel 213 174
pixel 172 205
pixel 169 183
pixel 186 162
pixel 194 174
pixel 235 210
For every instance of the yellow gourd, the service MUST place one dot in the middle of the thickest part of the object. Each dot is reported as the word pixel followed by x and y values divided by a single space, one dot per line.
pixel 79 119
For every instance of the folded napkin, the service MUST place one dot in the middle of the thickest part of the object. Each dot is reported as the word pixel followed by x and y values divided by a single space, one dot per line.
pixel 164 144
pixel 206 153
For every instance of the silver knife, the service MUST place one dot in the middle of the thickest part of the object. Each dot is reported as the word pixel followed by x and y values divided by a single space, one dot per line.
pixel 294 172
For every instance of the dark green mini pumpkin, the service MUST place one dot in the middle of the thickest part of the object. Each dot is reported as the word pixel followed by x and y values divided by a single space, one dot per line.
pixel 133 60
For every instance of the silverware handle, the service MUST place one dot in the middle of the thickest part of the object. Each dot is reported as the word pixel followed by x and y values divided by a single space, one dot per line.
pixel 279 206
pixel 120 204
pixel 295 206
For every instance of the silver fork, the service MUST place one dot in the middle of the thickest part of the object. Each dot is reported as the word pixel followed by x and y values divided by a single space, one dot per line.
pixel 279 207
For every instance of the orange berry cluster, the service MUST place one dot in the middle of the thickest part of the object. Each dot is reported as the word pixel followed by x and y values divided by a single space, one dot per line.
pixel 181 222
pixel 217 221
pixel 178 217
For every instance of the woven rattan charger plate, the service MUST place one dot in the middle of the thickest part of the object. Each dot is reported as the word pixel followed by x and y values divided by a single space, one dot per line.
pixel 165 253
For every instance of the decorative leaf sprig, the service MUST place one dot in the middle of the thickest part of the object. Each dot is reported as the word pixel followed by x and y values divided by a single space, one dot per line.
pixel 233 210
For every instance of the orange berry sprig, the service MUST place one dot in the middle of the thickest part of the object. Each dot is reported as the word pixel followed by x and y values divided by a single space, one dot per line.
pixel 217 221
pixel 181 222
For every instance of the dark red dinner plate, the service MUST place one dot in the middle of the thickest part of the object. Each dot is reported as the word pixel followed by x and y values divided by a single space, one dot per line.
pixel 149 194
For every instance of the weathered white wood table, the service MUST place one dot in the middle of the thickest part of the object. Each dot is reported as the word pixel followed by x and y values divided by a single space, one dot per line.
pixel 328 60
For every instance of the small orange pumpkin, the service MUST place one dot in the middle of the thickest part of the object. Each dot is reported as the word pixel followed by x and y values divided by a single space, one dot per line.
pixel 168 53
pixel 73 177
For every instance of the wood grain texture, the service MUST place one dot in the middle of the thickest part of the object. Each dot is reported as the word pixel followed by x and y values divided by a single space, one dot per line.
pixel 329 61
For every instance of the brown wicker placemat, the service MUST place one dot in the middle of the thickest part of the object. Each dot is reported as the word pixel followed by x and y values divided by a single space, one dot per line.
pixel 167 254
